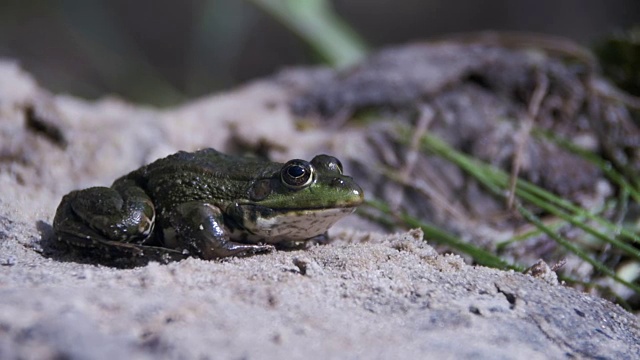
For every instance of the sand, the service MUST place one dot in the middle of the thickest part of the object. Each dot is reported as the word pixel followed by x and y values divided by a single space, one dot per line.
pixel 365 295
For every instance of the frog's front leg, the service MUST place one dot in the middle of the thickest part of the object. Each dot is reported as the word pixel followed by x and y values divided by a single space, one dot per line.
pixel 123 213
pixel 200 227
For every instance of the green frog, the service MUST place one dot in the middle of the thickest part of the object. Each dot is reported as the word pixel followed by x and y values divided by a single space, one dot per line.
pixel 209 205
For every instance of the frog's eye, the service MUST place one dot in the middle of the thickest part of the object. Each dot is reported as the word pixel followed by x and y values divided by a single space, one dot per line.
pixel 297 174
pixel 326 162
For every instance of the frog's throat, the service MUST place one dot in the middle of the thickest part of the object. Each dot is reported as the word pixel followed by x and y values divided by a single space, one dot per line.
pixel 277 226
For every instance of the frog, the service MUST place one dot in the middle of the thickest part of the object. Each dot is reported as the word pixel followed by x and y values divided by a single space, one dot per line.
pixel 209 205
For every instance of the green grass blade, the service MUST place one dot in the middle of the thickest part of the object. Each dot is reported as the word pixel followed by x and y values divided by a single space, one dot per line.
pixel 575 249
pixel 316 23
pixel 497 181
pixel 604 165
pixel 479 255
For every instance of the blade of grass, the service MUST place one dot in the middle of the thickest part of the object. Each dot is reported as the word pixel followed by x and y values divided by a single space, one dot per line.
pixel 544 195
pixel 578 219
pixel 479 255
pixel 556 225
pixel 575 249
pixel 316 23
pixel 604 165
pixel 497 181
pixel 440 236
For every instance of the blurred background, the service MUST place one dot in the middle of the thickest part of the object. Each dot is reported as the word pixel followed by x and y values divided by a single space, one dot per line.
pixel 162 52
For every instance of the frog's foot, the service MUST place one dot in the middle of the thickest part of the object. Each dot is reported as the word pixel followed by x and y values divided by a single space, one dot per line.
pixel 199 227
pixel 100 217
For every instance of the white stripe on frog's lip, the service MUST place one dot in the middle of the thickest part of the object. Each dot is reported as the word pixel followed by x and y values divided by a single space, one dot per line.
pixel 293 224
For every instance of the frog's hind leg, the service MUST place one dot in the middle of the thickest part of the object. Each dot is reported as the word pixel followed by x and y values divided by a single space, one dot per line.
pixel 100 216
pixel 199 227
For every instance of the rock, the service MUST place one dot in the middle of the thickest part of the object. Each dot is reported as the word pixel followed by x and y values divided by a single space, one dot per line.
pixel 365 295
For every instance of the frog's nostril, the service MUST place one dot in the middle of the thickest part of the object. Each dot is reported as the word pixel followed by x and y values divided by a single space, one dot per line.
pixel 337 182
pixel 359 193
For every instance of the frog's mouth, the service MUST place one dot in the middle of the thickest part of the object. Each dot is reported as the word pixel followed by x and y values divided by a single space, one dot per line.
pixel 273 226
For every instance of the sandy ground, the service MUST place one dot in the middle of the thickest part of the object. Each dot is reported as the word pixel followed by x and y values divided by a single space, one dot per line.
pixel 365 295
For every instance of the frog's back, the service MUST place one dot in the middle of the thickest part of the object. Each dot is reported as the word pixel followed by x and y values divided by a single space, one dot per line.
pixel 202 175
pixel 212 162
pixel 205 159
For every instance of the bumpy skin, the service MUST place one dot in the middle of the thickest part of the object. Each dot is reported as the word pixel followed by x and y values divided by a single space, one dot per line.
pixel 208 204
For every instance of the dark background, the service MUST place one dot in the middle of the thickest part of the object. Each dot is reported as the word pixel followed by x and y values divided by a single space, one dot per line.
pixel 162 51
